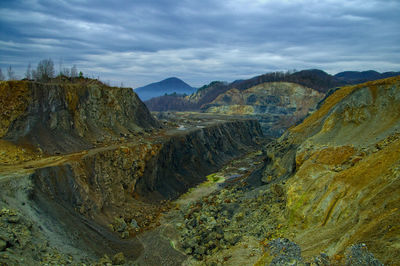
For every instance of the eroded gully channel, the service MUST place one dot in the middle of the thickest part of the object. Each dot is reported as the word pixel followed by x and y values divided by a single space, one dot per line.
pixel 49 192
pixel 162 245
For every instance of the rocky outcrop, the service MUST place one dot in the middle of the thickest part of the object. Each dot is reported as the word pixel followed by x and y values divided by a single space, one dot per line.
pixel 119 188
pixel 192 102
pixel 150 170
pixel 313 78
pixel 59 118
pixel 276 105
pixel 185 159
pixel 344 187
pixel 91 168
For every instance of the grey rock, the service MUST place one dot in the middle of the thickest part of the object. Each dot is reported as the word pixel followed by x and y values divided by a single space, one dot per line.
pixel 359 255
pixel 134 224
pixel 285 252
pixel 321 260
pixel 120 225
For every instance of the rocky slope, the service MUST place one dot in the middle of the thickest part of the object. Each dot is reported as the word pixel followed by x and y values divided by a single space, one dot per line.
pixel 343 167
pixel 312 78
pixel 327 193
pixel 192 102
pixel 277 100
pixel 89 170
pixel 276 105
pixel 69 117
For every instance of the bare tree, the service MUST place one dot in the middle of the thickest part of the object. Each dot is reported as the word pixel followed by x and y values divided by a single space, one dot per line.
pixel 28 73
pixel 1 75
pixel 74 71
pixel 10 73
pixel 66 72
pixel 45 70
pixel 60 68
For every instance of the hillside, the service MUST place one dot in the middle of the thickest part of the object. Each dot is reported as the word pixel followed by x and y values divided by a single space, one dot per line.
pixel 343 187
pixel 239 98
pixel 315 79
pixel 276 105
pixel 328 192
pixel 68 117
pixel 86 170
pixel 312 78
pixel 355 77
pixel 110 184
pixel 166 86
pixel 192 102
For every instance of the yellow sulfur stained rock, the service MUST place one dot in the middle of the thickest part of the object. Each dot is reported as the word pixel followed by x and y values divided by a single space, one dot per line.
pixel 345 189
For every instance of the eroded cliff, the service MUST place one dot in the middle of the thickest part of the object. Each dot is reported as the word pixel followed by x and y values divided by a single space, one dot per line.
pixel 91 168
pixel 330 192
pixel 345 186
pixel 276 105
pixel 117 181
pixel 59 118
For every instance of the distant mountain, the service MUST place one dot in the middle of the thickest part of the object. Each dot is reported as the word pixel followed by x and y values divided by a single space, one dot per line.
pixel 166 86
pixel 193 102
pixel 354 77
pixel 311 78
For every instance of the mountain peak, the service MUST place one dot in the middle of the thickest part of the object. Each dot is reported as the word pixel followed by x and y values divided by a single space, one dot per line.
pixel 165 86
pixel 172 79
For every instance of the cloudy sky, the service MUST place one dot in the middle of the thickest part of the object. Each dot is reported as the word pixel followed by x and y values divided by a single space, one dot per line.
pixel 142 41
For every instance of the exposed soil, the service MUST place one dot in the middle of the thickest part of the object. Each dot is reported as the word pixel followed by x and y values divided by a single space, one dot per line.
pixel 167 237
pixel 66 237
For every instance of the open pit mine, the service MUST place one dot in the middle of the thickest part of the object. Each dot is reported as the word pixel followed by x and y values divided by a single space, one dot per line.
pixel 88 176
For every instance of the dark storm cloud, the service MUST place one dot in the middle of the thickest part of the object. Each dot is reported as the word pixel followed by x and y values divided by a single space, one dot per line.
pixel 138 42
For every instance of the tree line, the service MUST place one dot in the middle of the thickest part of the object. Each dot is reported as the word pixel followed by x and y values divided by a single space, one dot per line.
pixel 312 78
pixel 44 72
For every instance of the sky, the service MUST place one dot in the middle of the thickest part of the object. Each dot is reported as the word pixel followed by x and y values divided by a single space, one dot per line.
pixel 143 41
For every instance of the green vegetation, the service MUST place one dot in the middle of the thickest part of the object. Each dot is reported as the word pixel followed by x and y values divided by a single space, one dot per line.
pixel 214 178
